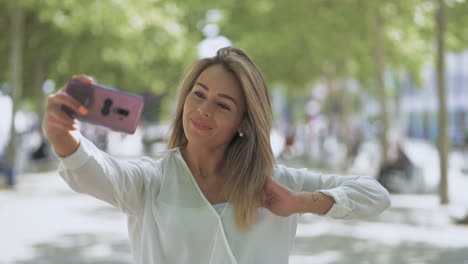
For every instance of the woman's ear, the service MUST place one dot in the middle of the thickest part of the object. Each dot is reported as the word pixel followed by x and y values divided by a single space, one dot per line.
pixel 241 129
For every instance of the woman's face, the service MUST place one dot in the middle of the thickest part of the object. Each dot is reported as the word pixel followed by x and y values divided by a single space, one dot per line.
pixel 214 108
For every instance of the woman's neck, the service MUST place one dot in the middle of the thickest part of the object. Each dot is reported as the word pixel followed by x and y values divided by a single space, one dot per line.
pixel 204 162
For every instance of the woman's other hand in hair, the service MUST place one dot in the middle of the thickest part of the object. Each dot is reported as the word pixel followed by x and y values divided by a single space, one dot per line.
pixel 279 199
pixel 283 201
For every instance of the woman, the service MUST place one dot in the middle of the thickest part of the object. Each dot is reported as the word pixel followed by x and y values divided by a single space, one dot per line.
pixel 216 195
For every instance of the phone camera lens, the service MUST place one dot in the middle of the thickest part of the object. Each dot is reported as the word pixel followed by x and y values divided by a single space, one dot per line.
pixel 121 111
pixel 105 111
pixel 108 102
pixel 106 108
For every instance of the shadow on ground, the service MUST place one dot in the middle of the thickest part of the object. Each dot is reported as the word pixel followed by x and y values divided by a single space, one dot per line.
pixel 82 249
pixel 351 250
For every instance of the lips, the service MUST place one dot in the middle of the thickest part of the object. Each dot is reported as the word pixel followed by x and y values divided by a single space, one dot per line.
pixel 199 124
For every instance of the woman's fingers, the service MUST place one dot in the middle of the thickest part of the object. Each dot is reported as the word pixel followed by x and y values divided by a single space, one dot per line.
pixel 61 117
pixel 266 199
pixel 56 118
pixel 55 124
pixel 83 78
pixel 268 195
pixel 58 122
pixel 62 98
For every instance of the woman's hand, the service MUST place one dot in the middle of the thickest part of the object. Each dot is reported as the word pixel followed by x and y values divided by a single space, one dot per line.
pixel 284 202
pixel 57 125
pixel 279 199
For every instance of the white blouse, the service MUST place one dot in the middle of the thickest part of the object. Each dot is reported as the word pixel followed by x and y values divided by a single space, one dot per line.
pixel 171 221
pixel 219 207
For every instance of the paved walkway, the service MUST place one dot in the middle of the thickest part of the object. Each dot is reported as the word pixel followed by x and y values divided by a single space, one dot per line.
pixel 43 221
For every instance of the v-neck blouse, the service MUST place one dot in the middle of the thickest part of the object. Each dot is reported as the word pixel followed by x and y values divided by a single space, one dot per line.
pixel 171 221
pixel 219 207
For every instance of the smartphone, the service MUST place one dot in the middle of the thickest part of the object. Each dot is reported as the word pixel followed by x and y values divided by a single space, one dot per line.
pixel 109 107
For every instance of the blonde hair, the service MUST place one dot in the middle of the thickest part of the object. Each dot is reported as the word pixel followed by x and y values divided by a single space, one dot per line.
pixel 250 158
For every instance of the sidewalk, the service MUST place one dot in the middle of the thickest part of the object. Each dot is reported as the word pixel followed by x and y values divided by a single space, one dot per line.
pixel 416 229
pixel 44 221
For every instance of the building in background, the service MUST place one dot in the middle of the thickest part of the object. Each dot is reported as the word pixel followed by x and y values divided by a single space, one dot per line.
pixel 419 105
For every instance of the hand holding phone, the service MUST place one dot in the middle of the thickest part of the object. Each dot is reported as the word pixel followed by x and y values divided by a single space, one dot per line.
pixel 109 107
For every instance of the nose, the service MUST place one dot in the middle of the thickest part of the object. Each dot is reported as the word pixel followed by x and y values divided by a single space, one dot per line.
pixel 204 109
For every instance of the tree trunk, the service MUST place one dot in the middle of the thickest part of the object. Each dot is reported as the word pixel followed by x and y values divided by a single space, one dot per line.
pixel 380 85
pixel 345 115
pixel 39 79
pixel 443 141
pixel 16 68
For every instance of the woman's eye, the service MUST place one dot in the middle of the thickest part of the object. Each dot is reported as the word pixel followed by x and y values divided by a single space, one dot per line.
pixel 223 106
pixel 198 94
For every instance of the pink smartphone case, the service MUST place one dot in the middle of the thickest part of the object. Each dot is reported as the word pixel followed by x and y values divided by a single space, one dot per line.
pixel 118 110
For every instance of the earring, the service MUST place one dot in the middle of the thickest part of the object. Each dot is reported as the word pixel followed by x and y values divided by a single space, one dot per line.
pixel 241 134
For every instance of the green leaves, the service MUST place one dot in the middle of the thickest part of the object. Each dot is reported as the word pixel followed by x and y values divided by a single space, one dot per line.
pixel 147 44
pixel 296 43
pixel 129 44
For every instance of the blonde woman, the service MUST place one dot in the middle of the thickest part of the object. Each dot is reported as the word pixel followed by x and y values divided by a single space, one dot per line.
pixel 216 195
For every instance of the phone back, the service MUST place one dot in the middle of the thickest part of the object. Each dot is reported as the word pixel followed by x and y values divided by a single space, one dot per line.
pixel 118 110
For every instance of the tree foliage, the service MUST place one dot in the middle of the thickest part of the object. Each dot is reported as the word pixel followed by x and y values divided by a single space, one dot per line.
pixel 146 45
pixel 298 43
pixel 133 45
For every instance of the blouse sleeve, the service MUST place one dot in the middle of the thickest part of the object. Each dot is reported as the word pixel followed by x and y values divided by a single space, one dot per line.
pixel 118 182
pixel 355 196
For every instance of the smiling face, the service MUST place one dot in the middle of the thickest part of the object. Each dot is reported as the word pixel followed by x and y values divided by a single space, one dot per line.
pixel 214 108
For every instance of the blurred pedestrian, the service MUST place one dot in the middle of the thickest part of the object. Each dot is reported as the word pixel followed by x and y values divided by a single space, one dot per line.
pixel 216 195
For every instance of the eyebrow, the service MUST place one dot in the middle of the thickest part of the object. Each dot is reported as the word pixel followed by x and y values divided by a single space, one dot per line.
pixel 220 94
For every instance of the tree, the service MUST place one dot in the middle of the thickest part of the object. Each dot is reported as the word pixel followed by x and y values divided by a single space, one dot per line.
pixel 380 84
pixel 298 44
pixel 443 142
pixel 15 69
pixel 136 46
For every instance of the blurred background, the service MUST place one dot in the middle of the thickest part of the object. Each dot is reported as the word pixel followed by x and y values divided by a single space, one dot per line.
pixel 367 87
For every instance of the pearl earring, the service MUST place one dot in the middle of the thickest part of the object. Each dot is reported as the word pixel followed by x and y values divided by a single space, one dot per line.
pixel 241 134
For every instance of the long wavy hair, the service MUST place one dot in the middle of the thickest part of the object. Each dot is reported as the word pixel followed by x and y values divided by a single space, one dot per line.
pixel 250 158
